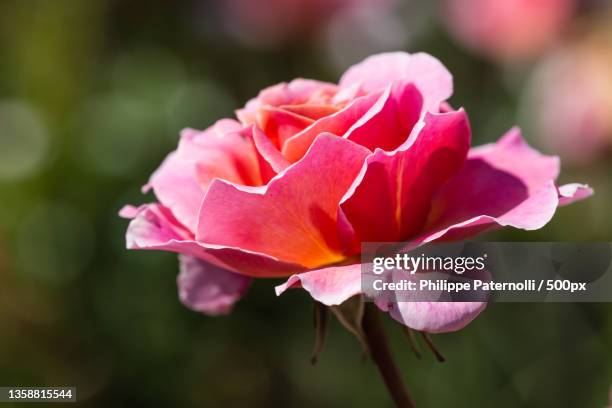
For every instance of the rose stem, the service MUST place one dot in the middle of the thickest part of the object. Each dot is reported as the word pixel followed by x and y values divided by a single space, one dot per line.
pixel 380 353
pixel 432 347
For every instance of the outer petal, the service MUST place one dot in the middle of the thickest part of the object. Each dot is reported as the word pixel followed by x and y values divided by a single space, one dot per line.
pixel 152 224
pixel 396 188
pixel 436 317
pixel 220 151
pixel 513 155
pixel 209 289
pixel 294 217
pixel 425 313
pixel 330 286
pixel 334 285
pixel 153 227
pixel 426 72
pixel 504 184
pixel 570 193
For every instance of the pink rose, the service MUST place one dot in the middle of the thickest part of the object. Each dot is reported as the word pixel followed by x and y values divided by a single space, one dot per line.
pixel 272 22
pixel 312 169
pixel 508 29
pixel 570 98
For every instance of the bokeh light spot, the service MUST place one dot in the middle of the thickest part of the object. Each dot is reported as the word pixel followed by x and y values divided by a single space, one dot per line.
pixel 24 140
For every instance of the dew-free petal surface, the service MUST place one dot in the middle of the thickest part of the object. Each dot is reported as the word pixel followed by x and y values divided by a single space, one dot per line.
pixel 208 289
pixel 502 184
pixel 378 71
pixel 294 217
pixel 391 200
pixel 219 151
pixel 330 286
pixel 153 227
pixel 388 123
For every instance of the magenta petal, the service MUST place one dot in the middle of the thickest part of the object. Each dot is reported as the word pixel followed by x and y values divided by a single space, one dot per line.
pixel 396 188
pixel 436 317
pixel 209 289
pixel 330 286
pixel 389 122
pixel 502 184
pixel 378 71
pixel 294 217
pixel 494 198
pixel 570 193
pixel 155 228
pixel 514 156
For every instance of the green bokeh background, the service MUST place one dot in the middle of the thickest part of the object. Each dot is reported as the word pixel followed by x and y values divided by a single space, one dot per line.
pixel 92 97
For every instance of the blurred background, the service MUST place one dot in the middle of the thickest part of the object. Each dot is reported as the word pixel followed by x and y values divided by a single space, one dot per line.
pixel 92 97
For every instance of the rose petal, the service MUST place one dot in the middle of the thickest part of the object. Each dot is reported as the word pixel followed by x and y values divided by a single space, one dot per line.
pixel 425 313
pixel 130 211
pixel 502 184
pixel 396 188
pixel 298 91
pixel 334 285
pixel 338 124
pixel 389 122
pixel 492 193
pixel 279 124
pixel 513 155
pixel 269 152
pixel 294 217
pixel 155 228
pixel 314 112
pixel 378 71
pixel 570 193
pixel 436 317
pixel 219 151
pixel 330 286
pixel 152 224
pixel 209 289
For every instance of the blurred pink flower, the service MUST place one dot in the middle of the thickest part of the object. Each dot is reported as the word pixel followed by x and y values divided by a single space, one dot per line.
pixel 570 99
pixel 276 21
pixel 507 30
pixel 312 169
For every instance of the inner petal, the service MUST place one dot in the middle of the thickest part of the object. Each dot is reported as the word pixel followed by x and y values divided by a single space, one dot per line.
pixel 313 112
pixel 280 124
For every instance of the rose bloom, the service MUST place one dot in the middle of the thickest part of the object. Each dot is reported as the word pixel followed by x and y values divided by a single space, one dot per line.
pixel 507 29
pixel 309 170
pixel 570 98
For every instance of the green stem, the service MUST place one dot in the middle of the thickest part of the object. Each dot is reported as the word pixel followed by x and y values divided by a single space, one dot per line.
pixel 379 352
